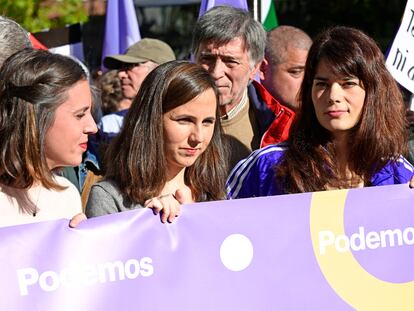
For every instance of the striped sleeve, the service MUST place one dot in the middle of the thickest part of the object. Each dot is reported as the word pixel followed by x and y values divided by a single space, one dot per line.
pixel 253 176
pixel 404 170
pixel 398 171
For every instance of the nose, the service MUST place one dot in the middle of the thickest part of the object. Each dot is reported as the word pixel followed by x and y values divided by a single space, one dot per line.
pixel 197 135
pixel 90 125
pixel 122 74
pixel 217 69
pixel 335 93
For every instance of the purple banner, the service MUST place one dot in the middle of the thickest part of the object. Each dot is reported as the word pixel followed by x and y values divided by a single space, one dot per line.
pixel 333 250
pixel 208 4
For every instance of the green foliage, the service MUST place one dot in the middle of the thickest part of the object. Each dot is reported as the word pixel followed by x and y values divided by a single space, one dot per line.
pixel 37 15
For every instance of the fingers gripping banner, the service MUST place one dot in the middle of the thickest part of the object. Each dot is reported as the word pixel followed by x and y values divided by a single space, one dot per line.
pixel 335 250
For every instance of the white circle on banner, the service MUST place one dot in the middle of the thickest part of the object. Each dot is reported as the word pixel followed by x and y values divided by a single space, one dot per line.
pixel 236 252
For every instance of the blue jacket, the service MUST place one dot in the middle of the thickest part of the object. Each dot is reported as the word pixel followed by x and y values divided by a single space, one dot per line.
pixel 254 176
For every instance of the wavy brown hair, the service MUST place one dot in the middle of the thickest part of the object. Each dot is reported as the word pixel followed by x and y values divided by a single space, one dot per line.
pixel 33 84
pixel 380 135
pixel 136 159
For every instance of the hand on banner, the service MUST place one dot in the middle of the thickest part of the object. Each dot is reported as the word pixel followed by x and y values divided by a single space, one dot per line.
pixel 76 220
pixel 412 182
pixel 168 205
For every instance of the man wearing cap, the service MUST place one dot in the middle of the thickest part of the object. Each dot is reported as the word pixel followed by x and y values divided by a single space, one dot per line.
pixel 133 66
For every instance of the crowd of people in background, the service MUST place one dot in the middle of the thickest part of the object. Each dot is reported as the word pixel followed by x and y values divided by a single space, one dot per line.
pixel 269 113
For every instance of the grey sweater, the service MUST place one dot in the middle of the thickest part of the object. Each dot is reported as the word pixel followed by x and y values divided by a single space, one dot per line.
pixel 105 198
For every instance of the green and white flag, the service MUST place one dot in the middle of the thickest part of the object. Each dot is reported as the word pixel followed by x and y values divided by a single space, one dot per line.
pixel 268 14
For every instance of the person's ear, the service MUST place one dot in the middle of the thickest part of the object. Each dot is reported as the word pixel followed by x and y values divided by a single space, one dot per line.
pixel 263 69
pixel 254 72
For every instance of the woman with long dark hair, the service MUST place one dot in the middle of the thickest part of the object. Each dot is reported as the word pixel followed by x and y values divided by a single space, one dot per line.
pixel 350 130
pixel 170 149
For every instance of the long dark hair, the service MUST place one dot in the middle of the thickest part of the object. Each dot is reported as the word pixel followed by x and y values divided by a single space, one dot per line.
pixel 136 160
pixel 33 84
pixel 380 135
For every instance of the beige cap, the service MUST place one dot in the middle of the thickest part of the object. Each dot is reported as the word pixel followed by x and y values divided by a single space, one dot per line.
pixel 144 50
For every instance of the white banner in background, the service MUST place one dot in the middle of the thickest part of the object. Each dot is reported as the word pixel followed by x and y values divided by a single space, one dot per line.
pixel 400 60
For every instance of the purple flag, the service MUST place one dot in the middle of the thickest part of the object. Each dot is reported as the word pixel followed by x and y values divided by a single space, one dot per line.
pixel 208 4
pixel 121 28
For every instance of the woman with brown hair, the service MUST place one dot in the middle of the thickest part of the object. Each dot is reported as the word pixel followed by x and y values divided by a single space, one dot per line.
pixel 170 149
pixel 45 119
pixel 350 130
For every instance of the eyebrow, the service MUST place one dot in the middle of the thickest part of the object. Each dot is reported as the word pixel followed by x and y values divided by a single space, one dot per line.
pixel 297 67
pixel 207 54
pixel 83 109
pixel 344 78
pixel 231 58
pixel 181 116
pixel 210 118
pixel 226 57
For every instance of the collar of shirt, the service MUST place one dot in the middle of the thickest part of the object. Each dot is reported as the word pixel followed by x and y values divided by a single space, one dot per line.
pixel 236 109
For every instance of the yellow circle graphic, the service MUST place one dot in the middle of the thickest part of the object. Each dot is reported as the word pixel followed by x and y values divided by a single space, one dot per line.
pixel 344 274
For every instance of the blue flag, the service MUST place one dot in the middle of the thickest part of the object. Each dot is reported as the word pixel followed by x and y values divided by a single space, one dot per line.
pixel 208 4
pixel 121 28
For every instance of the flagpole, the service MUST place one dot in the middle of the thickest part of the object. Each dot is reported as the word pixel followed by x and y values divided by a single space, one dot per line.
pixel 255 10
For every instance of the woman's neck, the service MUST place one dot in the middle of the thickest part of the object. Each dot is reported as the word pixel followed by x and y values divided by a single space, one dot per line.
pixel 176 181
pixel 342 152
pixel 125 103
pixel 341 144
